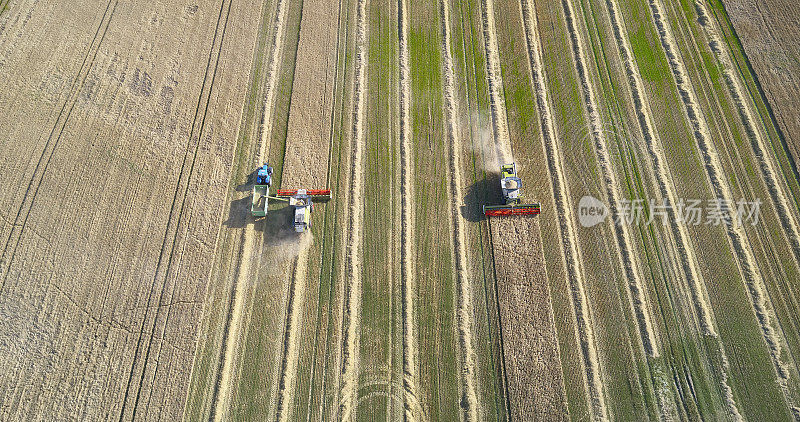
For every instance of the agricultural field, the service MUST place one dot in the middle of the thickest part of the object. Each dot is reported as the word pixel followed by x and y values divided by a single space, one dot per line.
pixel 773 55
pixel 660 281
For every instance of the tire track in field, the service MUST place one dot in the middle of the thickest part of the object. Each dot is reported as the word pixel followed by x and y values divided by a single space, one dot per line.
pixel 629 260
pixel 666 187
pixel 748 267
pixel 341 39
pixel 230 335
pixel 161 303
pixel 502 153
pixel 274 60
pixel 297 290
pixel 288 386
pixel 469 400
pixel 567 230
pixel 410 352
pixel 232 329
pixel 754 131
pixel 52 142
pixel 188 160
pixel 3 6
pixel 201 116
pixel 351 321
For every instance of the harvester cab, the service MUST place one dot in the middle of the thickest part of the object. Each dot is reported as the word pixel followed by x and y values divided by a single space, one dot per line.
pixel 302 205
pixel 511 186
pixel 258 206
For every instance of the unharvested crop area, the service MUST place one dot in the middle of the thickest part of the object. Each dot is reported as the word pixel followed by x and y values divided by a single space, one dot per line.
pixel 135 284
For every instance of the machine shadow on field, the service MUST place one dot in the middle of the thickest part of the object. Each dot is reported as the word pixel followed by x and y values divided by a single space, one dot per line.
pixel 239 209
pixel 278 219
pixel 485 191
pixel 277 224
pixel 248 183
pixel 239 213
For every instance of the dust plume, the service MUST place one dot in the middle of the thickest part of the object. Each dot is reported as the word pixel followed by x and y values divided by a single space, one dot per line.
pixel 491 154
pixel 284 246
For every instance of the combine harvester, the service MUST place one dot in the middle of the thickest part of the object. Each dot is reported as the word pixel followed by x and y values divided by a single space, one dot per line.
pixel 511 186
pixel 299 199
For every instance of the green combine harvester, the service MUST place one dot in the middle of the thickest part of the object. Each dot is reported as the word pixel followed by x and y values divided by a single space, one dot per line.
pixel 511 185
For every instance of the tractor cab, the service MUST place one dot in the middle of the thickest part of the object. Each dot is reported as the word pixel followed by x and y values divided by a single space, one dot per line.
pixel 264 175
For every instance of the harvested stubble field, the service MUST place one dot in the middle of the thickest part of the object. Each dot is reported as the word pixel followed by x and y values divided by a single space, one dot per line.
pixel 136 284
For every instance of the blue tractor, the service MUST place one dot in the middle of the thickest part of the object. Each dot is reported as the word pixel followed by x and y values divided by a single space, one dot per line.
pixel 264 175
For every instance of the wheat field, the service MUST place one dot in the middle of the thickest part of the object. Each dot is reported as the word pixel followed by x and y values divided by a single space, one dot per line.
pixel 136 285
